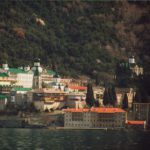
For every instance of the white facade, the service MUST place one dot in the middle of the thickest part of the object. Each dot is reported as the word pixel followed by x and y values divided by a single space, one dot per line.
pixel 25 80
pixel 42 106
pixel 132 60
pixel 54 105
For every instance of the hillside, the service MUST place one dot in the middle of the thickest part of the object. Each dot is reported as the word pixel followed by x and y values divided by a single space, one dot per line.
pixel 78 37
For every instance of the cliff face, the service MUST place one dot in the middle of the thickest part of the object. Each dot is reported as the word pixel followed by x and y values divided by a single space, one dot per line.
pixel 78 37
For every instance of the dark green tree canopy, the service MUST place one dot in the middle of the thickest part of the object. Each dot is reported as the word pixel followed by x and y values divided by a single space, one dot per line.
pixel 109 97
pixel 90 100
pixel 113 96
pixel 106 97
pixel 80 37
pixel 125 102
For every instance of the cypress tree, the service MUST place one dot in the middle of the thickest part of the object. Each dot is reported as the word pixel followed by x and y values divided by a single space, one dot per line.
pixel 90 96
pixel 97 104
pixel 106 97
pixel 113 97
pixel 125 102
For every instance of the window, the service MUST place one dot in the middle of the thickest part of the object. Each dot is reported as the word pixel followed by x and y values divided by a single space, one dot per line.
pixel 77 116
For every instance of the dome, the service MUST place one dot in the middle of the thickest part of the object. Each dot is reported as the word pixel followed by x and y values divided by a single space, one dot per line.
pixel 37 60
pixel 5 66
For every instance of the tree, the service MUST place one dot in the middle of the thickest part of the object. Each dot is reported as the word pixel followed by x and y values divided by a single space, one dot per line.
pixel 90 96
pixel 125 102
pixel 142 89
pixel 106 97
pixel 113 97
pixel 137 97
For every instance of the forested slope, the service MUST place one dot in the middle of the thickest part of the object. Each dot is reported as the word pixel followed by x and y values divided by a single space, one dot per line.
pixel 79 37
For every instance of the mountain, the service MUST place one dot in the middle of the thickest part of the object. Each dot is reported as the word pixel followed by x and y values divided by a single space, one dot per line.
pixel 78 37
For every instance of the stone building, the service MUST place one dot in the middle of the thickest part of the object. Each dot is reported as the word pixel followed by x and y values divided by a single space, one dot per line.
pixel 141 111
pixel 94 118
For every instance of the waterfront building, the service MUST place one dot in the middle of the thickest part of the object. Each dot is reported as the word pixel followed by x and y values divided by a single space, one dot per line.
pixel 136 124
pixel 141 111
pixel 94 118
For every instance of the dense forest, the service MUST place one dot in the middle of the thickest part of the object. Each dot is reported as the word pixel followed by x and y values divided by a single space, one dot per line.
pixel 79 37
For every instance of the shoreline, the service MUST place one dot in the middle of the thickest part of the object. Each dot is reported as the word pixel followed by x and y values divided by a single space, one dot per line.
pixel 75 129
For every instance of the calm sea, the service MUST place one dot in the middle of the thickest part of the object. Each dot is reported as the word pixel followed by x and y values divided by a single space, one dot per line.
pixel 44 139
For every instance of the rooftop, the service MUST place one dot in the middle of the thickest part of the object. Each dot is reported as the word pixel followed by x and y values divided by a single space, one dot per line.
pixel 47 90
pixel 74 87
pixel 2 96
pixel 97 110
pixel 21 89
pixel 135 122
pixel 16 70
pixel 2 74
pixel 51 72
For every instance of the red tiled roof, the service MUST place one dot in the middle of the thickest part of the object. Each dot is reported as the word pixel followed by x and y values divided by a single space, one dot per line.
pixel 76 110
pixel 97 110
pixel 78 87
pixel 107 110
pixel 135 122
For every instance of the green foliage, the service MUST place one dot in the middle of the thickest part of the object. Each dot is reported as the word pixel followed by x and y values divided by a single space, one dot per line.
pixel 123 74
pixel 106 97
pixel 137 97
pixel 125 102
pixel 75 34
pixel 143 89
pixel 90 101
pixel 113 97
pixel 96 104
pixel 109 97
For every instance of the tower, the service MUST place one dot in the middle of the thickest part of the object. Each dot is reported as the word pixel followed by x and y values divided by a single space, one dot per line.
pixel 132 61
pixel 37 69
pixel 5 66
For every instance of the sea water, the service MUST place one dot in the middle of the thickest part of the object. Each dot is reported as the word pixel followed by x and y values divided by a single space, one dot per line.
pixel 45 139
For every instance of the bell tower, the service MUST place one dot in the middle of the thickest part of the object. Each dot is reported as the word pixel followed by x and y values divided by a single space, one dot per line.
pixel 37 69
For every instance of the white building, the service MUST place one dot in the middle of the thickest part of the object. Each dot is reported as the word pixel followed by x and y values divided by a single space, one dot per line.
pixel 94 118
pixel 23 77
pixel 48 99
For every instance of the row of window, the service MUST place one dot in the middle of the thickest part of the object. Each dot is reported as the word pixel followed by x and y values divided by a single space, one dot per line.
pixel 94 125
